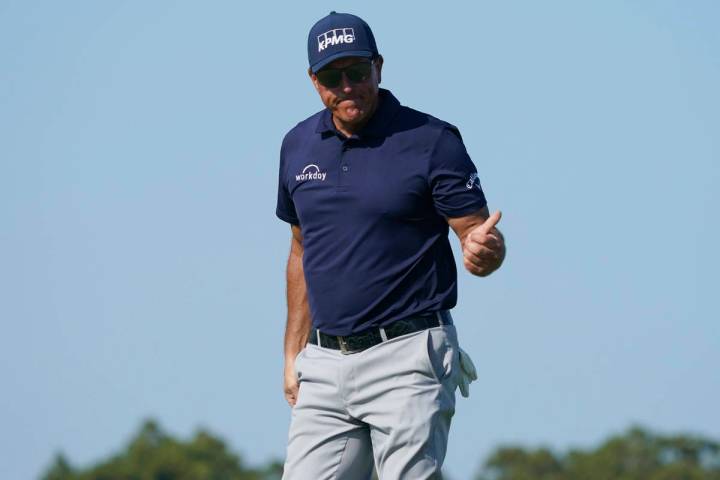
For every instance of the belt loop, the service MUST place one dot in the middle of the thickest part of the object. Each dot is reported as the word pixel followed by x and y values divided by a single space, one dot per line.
pixel 343 345
pixel 383 335
pixel 439 317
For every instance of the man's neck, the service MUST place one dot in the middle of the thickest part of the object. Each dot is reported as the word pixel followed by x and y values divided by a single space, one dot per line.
pixel 351 129
pixel 348 129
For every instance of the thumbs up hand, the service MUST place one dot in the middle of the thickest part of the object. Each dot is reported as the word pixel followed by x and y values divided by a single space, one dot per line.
pixel 484 247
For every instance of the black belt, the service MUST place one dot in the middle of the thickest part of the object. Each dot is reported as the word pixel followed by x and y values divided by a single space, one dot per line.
pixel 360 341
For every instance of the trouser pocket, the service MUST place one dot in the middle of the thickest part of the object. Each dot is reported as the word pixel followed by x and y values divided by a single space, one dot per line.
pixel 441 352
pixel 296 363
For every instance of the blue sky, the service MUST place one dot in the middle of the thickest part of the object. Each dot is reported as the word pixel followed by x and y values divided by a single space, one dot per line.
pixel 141 264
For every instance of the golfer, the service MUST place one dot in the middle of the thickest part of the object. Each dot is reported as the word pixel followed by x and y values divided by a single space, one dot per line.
pixel 370 189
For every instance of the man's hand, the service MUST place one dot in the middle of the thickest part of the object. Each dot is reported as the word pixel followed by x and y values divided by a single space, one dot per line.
pixel 484 247
pixel 292 385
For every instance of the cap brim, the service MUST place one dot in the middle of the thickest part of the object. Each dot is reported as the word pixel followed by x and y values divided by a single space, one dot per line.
pixel 343 54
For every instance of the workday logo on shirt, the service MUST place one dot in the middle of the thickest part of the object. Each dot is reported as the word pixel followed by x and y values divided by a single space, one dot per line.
pixel 311 172
pixel 334 37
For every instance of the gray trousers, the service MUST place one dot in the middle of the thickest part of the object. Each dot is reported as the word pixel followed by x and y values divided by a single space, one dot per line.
pixel 392 403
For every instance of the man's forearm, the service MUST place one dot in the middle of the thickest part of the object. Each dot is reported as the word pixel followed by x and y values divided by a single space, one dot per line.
pixel 297 328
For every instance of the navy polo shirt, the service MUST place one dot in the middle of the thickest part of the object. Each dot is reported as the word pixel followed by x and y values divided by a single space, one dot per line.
pixel 372 209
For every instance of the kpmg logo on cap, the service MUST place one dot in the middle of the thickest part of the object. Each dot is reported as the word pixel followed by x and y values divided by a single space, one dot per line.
pixel 335 37
pixel 311 172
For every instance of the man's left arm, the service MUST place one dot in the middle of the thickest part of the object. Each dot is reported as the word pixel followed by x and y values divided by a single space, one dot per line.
pixel 483 245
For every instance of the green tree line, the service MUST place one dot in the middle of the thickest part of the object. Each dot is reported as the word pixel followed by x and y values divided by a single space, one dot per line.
pixel 153 454
pixel 637 454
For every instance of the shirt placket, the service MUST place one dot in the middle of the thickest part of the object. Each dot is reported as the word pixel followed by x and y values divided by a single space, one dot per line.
pixel 344 170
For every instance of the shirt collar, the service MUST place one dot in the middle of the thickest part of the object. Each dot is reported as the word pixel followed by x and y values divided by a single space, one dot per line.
pixel 378 124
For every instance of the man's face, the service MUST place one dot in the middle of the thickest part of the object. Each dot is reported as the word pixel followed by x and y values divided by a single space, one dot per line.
pixel 351 103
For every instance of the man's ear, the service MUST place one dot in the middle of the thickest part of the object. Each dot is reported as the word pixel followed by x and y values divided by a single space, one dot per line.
pixel 313 79
pixel 378 67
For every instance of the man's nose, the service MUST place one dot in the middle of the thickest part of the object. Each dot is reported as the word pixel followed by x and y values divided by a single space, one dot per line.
pixel 345 83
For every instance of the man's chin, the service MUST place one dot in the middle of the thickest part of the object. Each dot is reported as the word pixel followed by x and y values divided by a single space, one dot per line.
pixel 352 114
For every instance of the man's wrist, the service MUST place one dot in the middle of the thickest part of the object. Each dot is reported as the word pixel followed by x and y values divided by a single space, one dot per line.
pixel 291 355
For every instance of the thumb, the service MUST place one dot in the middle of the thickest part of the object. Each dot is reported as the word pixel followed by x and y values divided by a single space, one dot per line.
pixel 491 221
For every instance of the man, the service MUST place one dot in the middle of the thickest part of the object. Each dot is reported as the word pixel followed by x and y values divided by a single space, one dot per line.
pixel 369 188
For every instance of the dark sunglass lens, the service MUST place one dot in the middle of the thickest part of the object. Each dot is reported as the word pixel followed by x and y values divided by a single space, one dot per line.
pixel 358 72
pixel 329 78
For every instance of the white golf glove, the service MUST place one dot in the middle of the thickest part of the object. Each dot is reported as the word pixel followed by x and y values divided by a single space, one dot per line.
pixel 468 374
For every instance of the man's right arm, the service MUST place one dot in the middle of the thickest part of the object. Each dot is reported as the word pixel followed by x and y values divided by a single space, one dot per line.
pixel 297 328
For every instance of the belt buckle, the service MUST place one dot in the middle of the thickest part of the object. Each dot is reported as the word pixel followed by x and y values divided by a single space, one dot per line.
pixel 343 345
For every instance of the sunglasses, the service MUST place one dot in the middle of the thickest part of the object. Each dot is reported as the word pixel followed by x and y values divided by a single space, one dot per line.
pixel 355 73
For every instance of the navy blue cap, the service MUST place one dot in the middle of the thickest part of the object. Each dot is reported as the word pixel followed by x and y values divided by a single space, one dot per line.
pixel 339 35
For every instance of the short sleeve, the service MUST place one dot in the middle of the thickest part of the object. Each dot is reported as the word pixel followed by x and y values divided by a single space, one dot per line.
pixel 453 178
pixel 285 209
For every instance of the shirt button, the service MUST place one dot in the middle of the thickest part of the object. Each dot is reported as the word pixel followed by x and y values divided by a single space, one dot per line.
pixel 345 168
